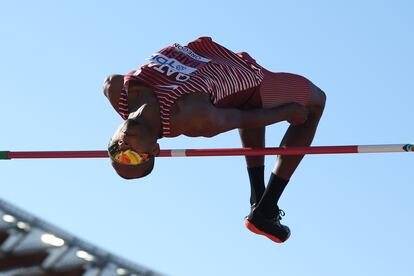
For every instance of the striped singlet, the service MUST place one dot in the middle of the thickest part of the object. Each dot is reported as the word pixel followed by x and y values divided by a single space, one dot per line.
pixel 201 66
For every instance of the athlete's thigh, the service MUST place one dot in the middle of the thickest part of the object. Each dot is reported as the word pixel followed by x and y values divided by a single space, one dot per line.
pixel 280 88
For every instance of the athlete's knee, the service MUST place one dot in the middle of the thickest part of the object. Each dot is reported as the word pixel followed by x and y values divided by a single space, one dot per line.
pixel 317 99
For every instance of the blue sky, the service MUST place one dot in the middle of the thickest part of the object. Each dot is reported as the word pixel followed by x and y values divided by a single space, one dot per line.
pixel 349 214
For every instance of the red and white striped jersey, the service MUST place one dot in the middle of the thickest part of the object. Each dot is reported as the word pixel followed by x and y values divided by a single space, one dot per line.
pixel 200 66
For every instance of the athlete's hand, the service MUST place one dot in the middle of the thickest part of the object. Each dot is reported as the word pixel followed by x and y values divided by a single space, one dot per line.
pixel 296 114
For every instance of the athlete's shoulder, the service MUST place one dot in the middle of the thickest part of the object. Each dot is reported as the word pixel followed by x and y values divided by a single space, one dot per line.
pixel 205 38
pixel 112 87
pixel 201 39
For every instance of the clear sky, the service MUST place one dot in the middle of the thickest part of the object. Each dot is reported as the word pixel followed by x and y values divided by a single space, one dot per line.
pixel 349 214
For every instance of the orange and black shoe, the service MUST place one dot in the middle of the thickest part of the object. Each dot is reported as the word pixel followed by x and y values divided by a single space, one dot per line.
pixel 269 227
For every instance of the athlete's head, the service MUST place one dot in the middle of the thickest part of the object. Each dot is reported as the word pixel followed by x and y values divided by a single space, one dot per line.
pixel 133 149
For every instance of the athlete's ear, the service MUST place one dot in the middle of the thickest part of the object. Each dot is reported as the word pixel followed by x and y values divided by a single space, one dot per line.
pixel 156 149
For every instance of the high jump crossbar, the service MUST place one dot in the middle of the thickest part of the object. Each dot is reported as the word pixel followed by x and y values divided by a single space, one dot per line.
pixel 7 155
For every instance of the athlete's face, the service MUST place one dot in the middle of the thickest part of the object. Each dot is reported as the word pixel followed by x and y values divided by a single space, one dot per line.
pixel 137 137
pixel 133 141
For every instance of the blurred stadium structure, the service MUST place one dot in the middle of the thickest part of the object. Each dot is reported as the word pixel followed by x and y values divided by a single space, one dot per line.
pixel 30 246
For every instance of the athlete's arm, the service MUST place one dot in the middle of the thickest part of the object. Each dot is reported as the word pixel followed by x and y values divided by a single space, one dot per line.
pixel 208 120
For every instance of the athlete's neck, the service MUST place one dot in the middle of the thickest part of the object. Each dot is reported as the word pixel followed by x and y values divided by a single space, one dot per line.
pixel 144 107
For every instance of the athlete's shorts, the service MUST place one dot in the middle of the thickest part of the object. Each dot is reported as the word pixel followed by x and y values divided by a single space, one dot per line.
pixel 280 88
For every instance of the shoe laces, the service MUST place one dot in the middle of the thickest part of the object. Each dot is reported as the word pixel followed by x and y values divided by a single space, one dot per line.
pixel 279 214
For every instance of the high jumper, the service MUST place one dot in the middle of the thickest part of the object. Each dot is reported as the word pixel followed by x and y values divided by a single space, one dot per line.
pixel 204 89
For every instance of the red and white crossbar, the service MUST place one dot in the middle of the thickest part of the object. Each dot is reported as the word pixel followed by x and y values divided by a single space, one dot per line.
pixel 219 152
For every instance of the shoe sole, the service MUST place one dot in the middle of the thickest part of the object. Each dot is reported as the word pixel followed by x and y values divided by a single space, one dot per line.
pixel 255 230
